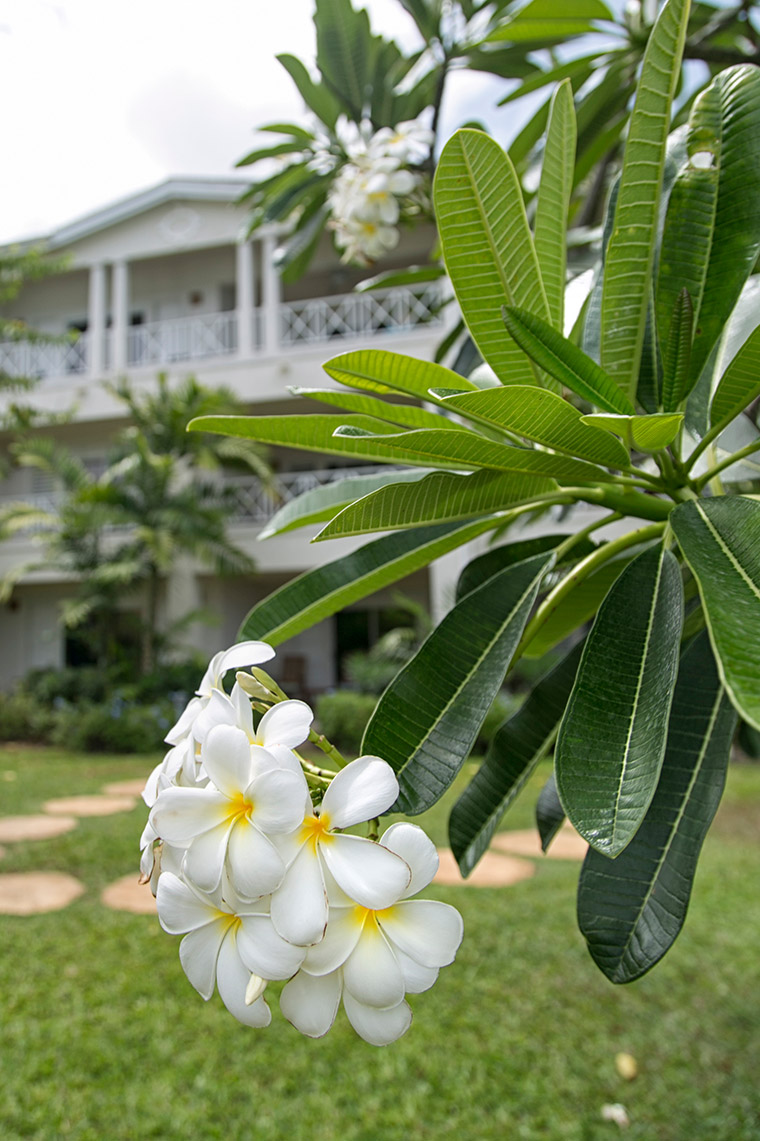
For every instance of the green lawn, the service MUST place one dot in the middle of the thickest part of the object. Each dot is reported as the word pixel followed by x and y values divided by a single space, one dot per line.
pixel 102 1037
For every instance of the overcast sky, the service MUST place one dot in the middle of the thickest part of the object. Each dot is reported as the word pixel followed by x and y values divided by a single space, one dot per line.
pixel 101 98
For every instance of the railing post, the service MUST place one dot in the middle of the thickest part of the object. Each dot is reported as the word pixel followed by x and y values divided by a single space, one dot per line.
pixel 244 303
pixel 96 320
pixel 120 306
pixel 271 294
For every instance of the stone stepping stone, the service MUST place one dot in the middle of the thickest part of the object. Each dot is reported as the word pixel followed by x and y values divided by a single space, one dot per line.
pixel 33 893
pixel 132 787
pixel 16 828
pixel 493 870
pixel 128 894
pixel 95 805
pixel 566 845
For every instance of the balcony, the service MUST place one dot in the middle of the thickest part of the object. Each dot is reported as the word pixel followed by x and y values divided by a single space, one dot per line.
pixel 217 335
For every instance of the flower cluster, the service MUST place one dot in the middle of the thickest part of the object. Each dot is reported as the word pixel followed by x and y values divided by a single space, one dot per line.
pixel 246 851
pixel 375 186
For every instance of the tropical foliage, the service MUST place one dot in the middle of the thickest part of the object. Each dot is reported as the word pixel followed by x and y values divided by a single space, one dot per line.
pixel 645 414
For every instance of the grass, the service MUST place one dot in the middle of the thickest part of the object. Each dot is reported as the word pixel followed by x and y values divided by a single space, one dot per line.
pixel 101 1036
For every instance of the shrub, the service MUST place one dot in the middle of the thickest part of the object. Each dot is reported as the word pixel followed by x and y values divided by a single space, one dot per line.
pixel 343 717
pixel 72 683
pixel 113 727
pixel 22 718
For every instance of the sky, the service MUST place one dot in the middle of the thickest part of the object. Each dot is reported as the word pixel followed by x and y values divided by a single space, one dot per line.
pixel 102 98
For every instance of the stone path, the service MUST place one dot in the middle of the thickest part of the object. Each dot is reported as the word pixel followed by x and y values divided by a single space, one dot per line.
pixel 511 859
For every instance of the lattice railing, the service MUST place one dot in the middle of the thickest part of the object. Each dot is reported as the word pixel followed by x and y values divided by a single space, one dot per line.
pixel 26 359
pixel 355 314
pixel 182 339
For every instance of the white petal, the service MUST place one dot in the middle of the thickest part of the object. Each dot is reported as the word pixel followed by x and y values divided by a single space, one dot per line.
pixel 243 711
pixel 180 909
pixel 204 858
pixel 198 953
pixel 344 926
pixel 186 721
pixel 299 906
pixel 226 758
pixel 428 931
pixel 416 978
pixel 217 710
pixel 232 980
pixel 181 814
pixel 286 759
pixel 378 1027
pixel 311 1003
pixel 256 867
pixel 362 790
pixel 244 654
pixel 371 972
pixel 264 951
pixel 367 872
pixel 416 849
pixel 287 723
pixel 278 801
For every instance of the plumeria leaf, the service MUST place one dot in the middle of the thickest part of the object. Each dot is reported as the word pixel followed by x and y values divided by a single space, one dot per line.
pixel 630 254
pixel 612 739
pixel 675 367
pixel 488 247
pixel 316 594
pixel 720 540
pixel 565 361
pixel 580 604
pixel 428 718
pixel 488 564
pixel 322 503
pixel 543 417
pixel 631 909
pixel 469 450
pixel 550 814
pixel 551 21
pixel 649 433
pixel 439 496
pixel 377 370
pixel 553 200
pixel 406 415
pixel 517 747
pixel 739 384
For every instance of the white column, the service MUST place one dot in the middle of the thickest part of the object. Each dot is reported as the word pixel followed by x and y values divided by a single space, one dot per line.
pixel 120 311
pixel 271 295
pixel 96 320
pixel 244 291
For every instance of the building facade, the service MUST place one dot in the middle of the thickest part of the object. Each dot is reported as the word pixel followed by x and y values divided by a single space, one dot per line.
pixel 168 281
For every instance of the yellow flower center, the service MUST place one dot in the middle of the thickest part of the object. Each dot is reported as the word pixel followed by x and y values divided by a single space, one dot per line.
pixel 240 808
pixel 315 830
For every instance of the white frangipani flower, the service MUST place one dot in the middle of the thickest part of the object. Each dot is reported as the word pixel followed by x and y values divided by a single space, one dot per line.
pixel 367 872
pixel 234 658
pixel 407 142
pixel 283 727
pixel 373 957
pixel 249 799
pixel 228 942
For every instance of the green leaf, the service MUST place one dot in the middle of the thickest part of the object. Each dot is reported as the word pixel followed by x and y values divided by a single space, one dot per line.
pixel 407 415
pixel 644 433
pixel 631 909
pixel 575 69
pixel 376 370
pixel 711 246
pixel 488 247
pixel 551 20
pixel 630 253
pixel 543 417
pixel 739 384
pixel 675 367
pixel 517 747
pixel 412 275
pixel 438 497
pixel 315 95
pixel 744 319
pixel 428 718
pixel 612 738
pixel 271 152
pixel 553 200
pixel 575 608
pixel 344 46
pixel 720 540
pixel 550 814
pixel 467 449
pixel 485 566
pixel 321 503
pixel 565 361
pixel 316 594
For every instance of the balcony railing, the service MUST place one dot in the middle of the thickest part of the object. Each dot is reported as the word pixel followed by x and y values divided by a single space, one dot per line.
pixel 214 335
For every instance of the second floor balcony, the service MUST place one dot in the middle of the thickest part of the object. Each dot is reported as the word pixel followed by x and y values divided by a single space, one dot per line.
pixel 245 335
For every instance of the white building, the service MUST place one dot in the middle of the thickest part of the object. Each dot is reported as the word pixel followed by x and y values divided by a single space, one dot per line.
pixel 166 281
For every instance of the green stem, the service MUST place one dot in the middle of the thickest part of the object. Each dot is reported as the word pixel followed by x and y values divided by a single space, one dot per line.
pixel 623 500
pixel 328 749
pixel 707 439
pixel 568 544
pixel 727 462
pixel 580 572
